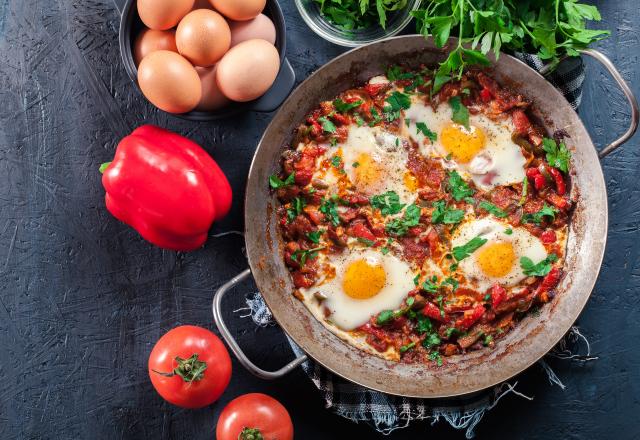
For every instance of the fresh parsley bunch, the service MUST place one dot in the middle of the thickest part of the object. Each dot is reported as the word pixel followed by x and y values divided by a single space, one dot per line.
pixel 359 14
pixel 550 29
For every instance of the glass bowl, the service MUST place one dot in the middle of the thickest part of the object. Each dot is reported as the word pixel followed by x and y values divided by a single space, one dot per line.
pixel 396 21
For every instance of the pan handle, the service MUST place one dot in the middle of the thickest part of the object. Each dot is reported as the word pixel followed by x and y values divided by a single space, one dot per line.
pixel 233 345
pixel 626 90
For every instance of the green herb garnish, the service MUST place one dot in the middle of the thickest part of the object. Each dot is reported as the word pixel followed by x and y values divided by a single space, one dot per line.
pixel 397 101
pixel 422 128
pixel 462 252
pixel 275 182
pixel 314 236
pixel 343 107
pixel 537 217
pixel 359 14
pixel 557 155
pixel 400 226
pixel 301 256
pixel 460 113
pixel 327 125
pixel 537 269
pixel 493 209
pixel 328 208
pixel 388 203
pixel 458 188
pixel 444 214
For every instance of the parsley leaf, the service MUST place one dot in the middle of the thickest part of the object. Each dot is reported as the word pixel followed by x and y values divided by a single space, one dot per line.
pixel 407 347
pixel 343 107
pixel 422 128
pixel 275 182
pixel 458 188
pixel 397 101
pixel 462 252
pixel 445 214
pixel 424 324
pixel 327 125
pixel 296 208
pixel 301 256
pixel 508 231
pixel 430 285
pixel 328 208
pixel 314 236
pixel 525 191
pixel 493 209
pixel 335 161
pixel 436 357
pixel 537 269
pixel 557 155
pixel 400 226
pixel 431 340
pixel 388 203
pixel 537 217
pixel 384 317
pixel 460 112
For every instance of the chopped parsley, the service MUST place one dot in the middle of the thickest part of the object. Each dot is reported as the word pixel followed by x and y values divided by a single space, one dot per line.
pixel 460 113
pixel 301 256
pixel 397 101
pixel 327 125
pixel 355 164
pixel 432 339
pixel 328 208
pixel 557 155
pixel 400 226
pixel 430 285
pixel 508 231
pixel 314 236
pixel 384 317
pixel 422 128
pixel 375 117
pixel 488 339
pixel 450 331
pixel 343 107
pixel 538 269
pixel 444 214
pixel 537 217
pixel 462 252
pixel 366 241
pixel 395 73
pixel 493 209
pixel 296 208
pixel 388 203
pixel 407 347
pixel 424 325
pixel 458 188
pixel 435 357
pixel 275 182
pixel 336 161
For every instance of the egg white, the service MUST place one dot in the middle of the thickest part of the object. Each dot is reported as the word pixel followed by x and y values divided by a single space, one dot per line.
pixel 348 313
pixel 500 162
pixel 524 245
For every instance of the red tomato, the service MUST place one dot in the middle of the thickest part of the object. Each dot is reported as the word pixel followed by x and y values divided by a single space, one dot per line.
pixel 254 416
pixel 190 367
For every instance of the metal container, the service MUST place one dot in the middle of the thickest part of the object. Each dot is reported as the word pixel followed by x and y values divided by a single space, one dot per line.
pixel 532 338
pixel 131 25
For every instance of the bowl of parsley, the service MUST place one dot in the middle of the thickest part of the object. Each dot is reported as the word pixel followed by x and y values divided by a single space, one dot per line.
pixel 353 23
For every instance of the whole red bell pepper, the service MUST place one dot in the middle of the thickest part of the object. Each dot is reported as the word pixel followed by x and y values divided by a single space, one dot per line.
pixel 166 187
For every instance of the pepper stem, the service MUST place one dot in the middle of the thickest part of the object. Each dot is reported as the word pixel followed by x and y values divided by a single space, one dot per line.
pixel 190 370
pixel 250 434
pixel 104 166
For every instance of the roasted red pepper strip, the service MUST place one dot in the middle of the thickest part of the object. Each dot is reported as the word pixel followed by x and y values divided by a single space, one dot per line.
pixel 539 181
pixel 485 95
pixel 559 180
pixel 432 311
pixel 470 317
pixel 557 201
pixel 548 282
pixel 374 89
pixel 498 295
pixel 166 187
pixel 340 119
pixel 359 230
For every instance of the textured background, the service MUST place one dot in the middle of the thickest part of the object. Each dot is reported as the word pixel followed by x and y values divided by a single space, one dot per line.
pixel 83 298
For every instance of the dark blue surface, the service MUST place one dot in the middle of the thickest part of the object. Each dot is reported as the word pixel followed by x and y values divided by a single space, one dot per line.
pixel 83 298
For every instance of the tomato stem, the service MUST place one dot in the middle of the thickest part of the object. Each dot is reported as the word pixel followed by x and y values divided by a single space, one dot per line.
pixel 250 434
pixel 190 370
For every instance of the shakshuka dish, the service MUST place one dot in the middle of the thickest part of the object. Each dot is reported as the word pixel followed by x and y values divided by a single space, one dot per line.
pixel 420 224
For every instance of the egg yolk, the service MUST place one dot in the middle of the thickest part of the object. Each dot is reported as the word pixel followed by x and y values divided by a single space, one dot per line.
pixel 496 259
pixel 363 280
pixel 461 143
pixel 368 171
pixel 410 181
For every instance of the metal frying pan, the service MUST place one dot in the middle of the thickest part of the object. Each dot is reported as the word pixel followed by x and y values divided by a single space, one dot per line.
pixel 530 340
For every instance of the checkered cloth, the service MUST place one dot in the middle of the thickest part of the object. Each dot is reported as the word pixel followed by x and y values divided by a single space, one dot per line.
pixel 387 413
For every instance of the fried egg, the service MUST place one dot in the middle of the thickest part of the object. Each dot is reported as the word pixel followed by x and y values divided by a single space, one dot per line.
pixel 374 162
pixel 366 282
pixel 483 152
pixel 497 260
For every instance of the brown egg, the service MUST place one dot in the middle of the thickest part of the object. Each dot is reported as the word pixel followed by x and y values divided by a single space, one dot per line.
pixel 212 97
pixel 163 14
pixel 248 70
pixel 203 37
pixel 169 81
pixel 149 40
pixel 260 27
pixel 239 10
